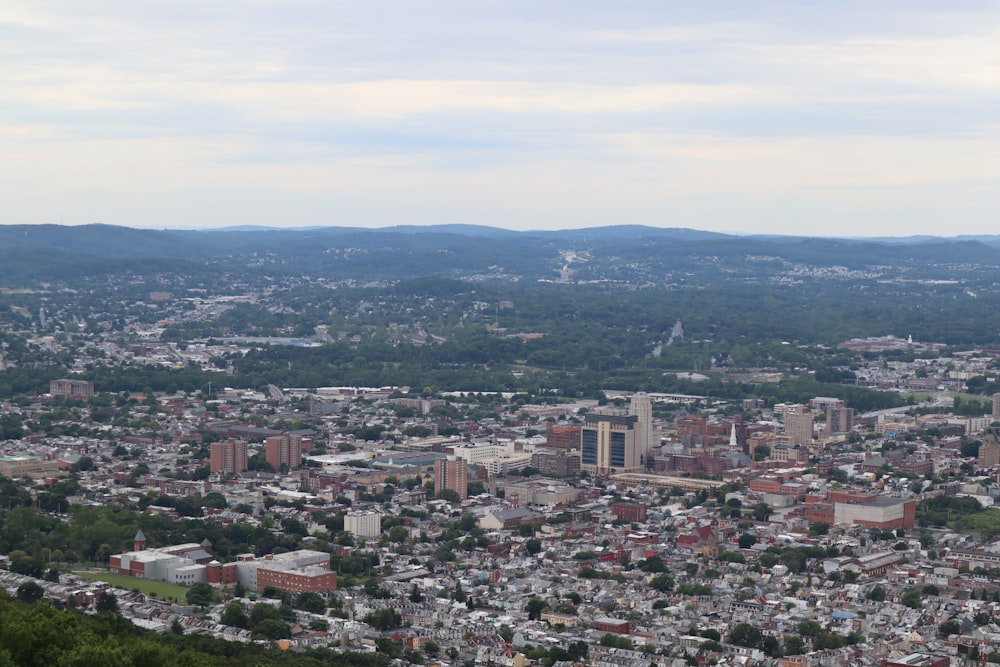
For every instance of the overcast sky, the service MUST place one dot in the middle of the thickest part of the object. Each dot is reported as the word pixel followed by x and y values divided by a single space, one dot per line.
pixel 836 118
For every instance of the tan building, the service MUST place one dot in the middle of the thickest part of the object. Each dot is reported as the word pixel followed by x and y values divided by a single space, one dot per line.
pixel 799 427
pixel 452 473
pixel 989 452
pixel 71 388
pixel 996 407
pixel 640 407
pixel 610 444
pixel 26 466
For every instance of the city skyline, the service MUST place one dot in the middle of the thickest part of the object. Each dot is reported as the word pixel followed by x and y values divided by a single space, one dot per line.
pixel 773 117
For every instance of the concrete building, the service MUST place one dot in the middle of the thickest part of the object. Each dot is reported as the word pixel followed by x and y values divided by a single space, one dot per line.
pixel 295 571
pixel 989 452
pixel 642 409
pixel 839 419
pixel 995 414
pixel 885 513
pixel 13 467
pixel 71 388
pixel 609 444
pixel 452 473
pixel 540 493
pixel 558 462
pixel 799 427
pixel 363 524
pixel 178 564
pixel 229 457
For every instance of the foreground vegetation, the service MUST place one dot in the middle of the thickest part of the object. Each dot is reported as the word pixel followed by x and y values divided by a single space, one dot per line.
pixel 38 635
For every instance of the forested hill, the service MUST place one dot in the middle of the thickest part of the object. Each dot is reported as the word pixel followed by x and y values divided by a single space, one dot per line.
pixel 615 254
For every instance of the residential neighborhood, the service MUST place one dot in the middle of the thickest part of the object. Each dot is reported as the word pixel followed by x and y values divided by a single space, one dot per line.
pixel 794 535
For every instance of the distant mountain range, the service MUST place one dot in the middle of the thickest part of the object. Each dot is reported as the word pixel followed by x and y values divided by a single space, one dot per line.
pixel 622 253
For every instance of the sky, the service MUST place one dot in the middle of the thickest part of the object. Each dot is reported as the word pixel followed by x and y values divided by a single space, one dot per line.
pixel 819 119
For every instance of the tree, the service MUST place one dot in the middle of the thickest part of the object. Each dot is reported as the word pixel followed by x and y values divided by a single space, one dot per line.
pixel 744 634
pixel 311 602
pixel 535 607
pixel 747 540
pixel 415 595
pixel 912 598
pixel 533 545
pixel 950 627
pixel 662 582
pixel 200 594
pixel 877 594
pixel 794 645
pixel 234 616
pixel 383 619
pixel 809 628
pixel 653 564
pixel 106 602
pixel 272 629
pixel 30 592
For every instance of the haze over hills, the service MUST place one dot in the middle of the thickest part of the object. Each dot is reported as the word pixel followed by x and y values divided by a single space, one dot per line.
pixel 621 253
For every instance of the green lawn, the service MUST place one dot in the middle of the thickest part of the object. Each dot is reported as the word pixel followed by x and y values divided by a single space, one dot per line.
pixel 160 589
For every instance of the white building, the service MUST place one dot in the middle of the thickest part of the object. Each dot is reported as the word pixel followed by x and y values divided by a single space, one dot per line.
pixel 363 524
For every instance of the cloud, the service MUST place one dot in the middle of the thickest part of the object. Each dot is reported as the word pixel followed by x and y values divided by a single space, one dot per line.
pixel 553 115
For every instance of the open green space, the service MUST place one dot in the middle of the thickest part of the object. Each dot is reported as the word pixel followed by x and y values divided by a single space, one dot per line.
pixel 158 589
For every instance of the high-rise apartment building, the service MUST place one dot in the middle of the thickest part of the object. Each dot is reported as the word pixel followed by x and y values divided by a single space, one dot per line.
pixel 452 473
pixel 839 419
pixel 609 444
pixel 641 408
pixel 989 452
pixel 284 452
pixel 996 407
pixel 228 457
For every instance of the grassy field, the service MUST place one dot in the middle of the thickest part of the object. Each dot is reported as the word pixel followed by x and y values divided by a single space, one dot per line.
pixel 159 589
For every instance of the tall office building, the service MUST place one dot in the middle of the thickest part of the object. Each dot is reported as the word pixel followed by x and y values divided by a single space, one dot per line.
pixel 452 473
pixel 996 407
pixel 799 427
pixel 641 407
pixel 609 444
pixel 284 452
pixel 228 457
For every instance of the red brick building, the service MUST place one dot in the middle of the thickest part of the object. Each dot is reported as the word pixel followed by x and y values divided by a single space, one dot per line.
pixel 630 512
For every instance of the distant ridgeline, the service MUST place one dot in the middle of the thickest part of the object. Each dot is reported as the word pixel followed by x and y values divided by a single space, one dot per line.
pixel 482 309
